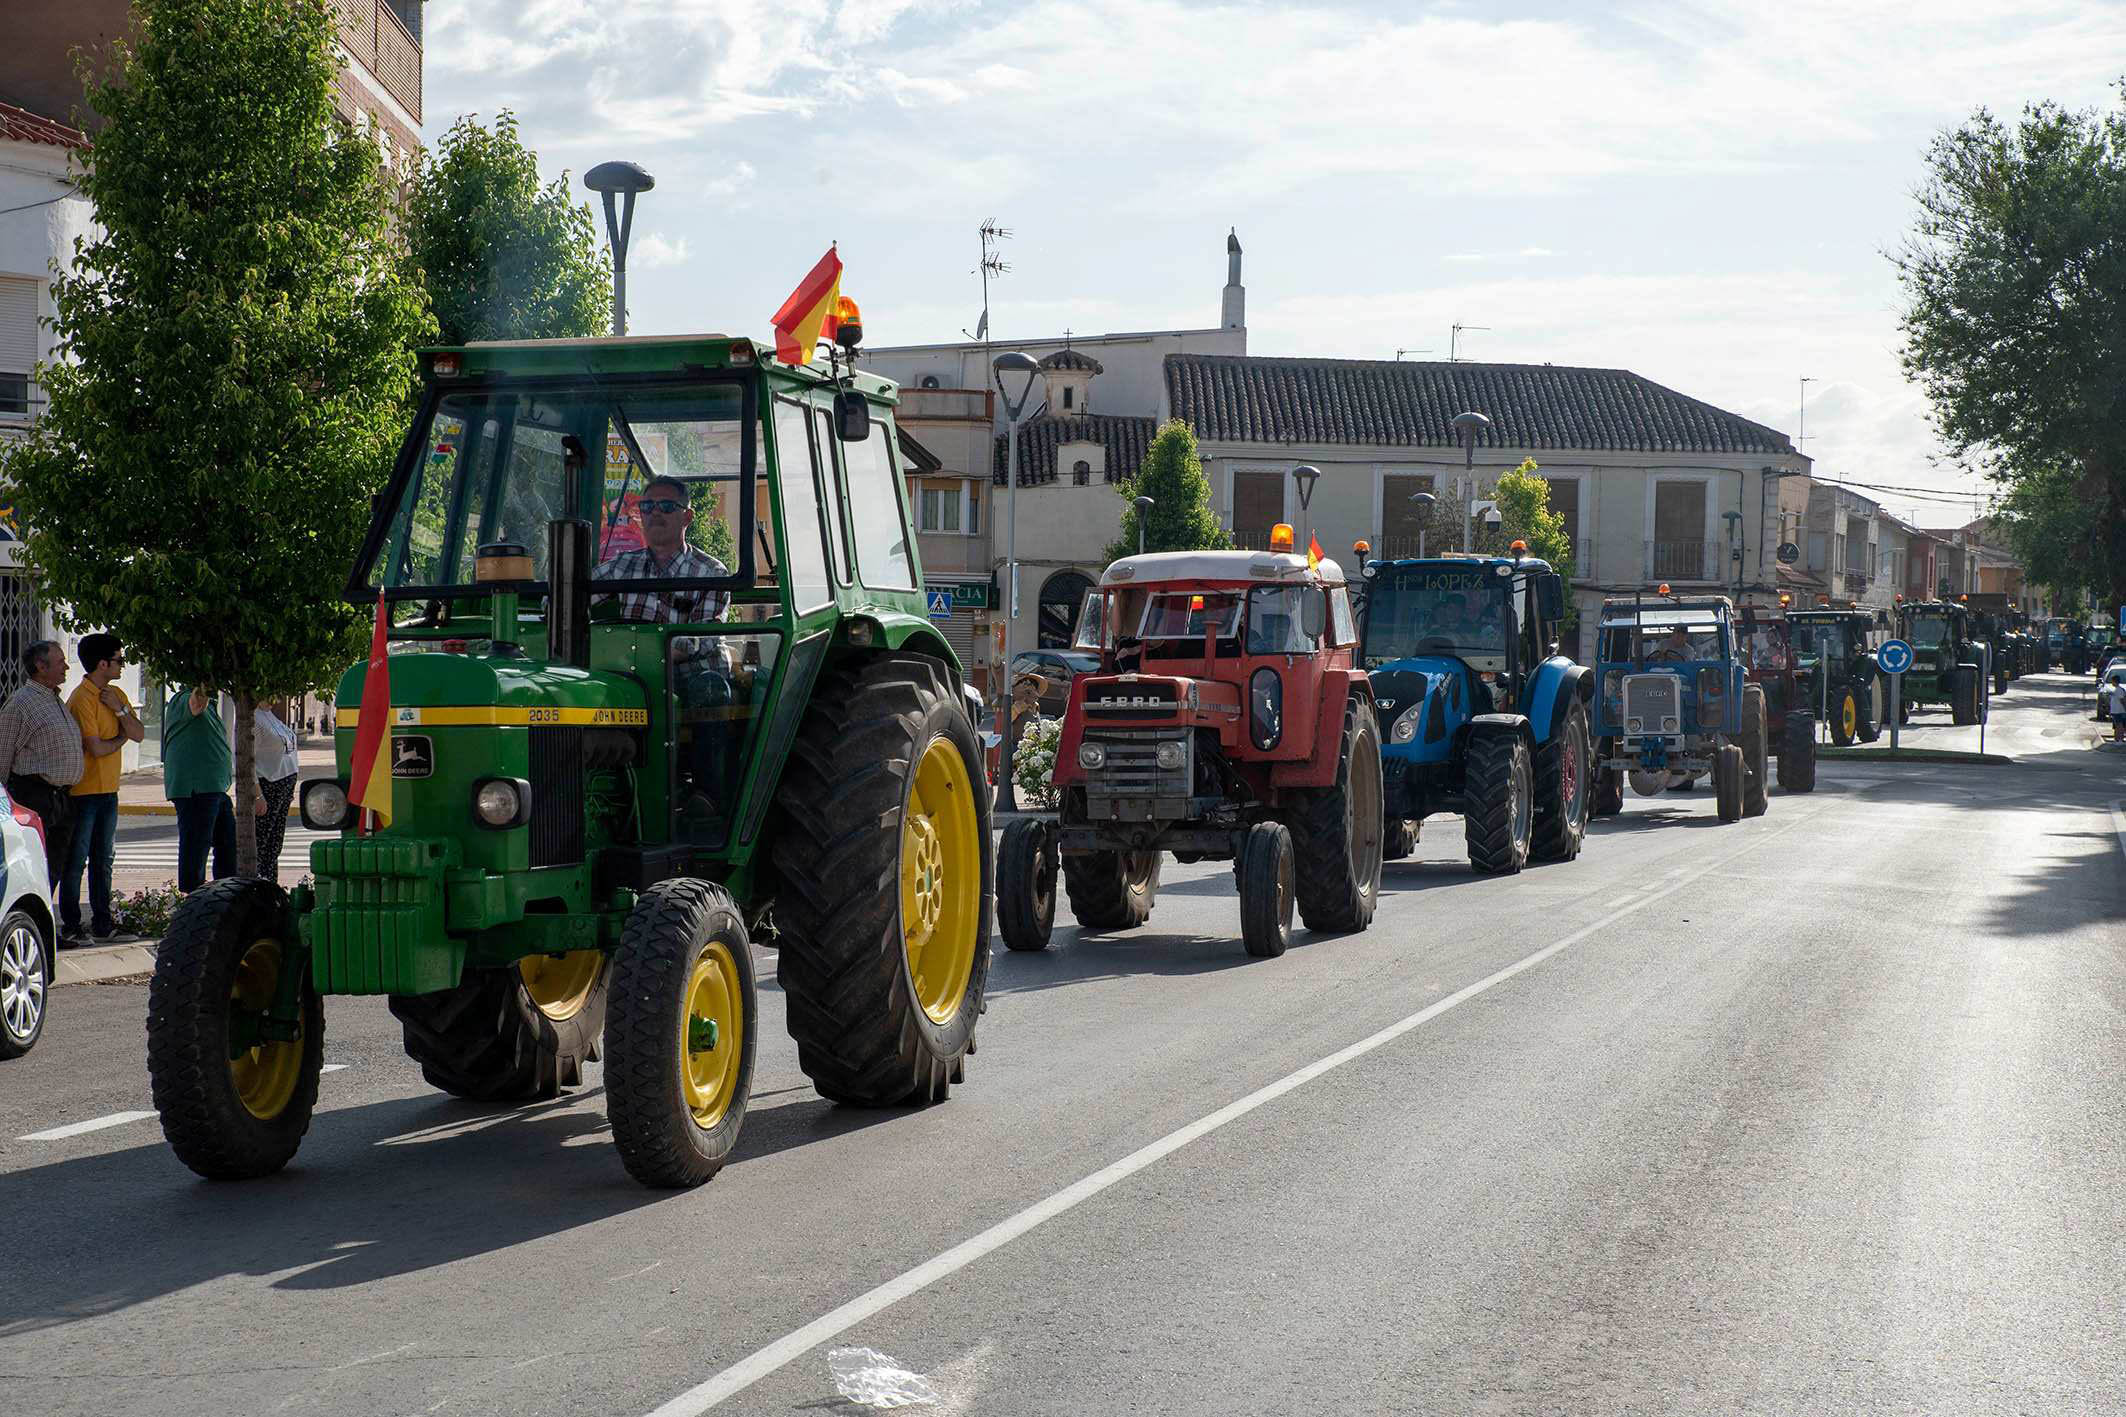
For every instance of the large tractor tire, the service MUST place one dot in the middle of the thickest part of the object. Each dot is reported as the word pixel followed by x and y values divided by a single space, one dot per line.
pixel 1728 772
pixel 1608 783
pixel 679 1047
pixel 516 1034
pixel 1336 841
pixel 1026 885
pixel 881 854
pixel 233 1105
pixel 1756 753
pixel 1498 803
pixel 2000 676
pixel 1875 711
pixel 1399 839
pixel 1112 890
pixel 1561 790
pixel 1965 690
pixel 1266 869
pixel 1797 754
pixel 1845 717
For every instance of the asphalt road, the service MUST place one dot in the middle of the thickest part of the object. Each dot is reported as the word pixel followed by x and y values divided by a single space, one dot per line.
pixel 1820 1112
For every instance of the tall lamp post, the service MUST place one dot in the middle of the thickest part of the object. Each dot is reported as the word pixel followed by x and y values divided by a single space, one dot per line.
pixel 1014 367
pixel 610 179
pixel 1304 477
pixel 1425 503
pixel 1467 427
pixel 1144 506
pixel 1734 547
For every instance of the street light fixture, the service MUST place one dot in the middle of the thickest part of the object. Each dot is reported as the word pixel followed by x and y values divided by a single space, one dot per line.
pixel 1425 503
pixel 1734 546
pixel 1468 427
pixel 1015 369
pixel 609 179
pixel 1304 477
pixel 1144 506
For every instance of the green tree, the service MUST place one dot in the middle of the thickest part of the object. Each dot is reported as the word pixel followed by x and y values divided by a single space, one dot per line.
pixel 2015 321
pixel 1181 518
pixel 1523 497
pixel 502 256
pixel 2044 523
pixel 235 352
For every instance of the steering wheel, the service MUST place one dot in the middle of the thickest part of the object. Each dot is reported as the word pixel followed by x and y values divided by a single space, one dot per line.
pixel 1433 644
pixel 1668 654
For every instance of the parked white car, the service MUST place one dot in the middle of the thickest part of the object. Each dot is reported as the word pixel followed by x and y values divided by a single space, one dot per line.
pixel 27 934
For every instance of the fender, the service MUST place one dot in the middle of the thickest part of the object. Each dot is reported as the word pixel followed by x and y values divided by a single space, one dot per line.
pixel 1558 682
pixel 1490 723
pixel 1319 768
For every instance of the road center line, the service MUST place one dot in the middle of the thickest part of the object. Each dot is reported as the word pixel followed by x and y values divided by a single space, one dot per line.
pixel 94 1124
pixel 760 1363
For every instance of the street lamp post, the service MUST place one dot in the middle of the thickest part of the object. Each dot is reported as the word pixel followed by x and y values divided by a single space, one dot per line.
pixel 1021 368
pixel 1144 506
pixel 1304 477
pixel 1734 547
pixel 624 179
pixel 1467 427
pixel 1425 503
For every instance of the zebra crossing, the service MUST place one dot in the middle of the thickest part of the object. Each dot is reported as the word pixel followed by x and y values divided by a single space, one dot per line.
pixel 157 854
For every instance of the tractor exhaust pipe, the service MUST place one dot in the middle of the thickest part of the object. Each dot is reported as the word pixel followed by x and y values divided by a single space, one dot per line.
pixel 568 586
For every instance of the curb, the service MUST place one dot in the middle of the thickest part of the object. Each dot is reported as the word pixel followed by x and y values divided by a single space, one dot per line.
pixel 1916 755
pixel 104 962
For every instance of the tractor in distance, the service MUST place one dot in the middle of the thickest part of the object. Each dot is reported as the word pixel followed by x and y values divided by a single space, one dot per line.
pixel 2070 646
pixel 614 764
pixel 1947 659
pixel 1484 717
pixel 1837 666
pixel 1991 622
pixel 1228 720
pixel 1779 665
pixel 1675 704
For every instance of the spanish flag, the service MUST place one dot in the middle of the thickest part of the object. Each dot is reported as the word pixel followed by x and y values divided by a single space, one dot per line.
pixel 371 763
pixel 807 317
pixel 1313 553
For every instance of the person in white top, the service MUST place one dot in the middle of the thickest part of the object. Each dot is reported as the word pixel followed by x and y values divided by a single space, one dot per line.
pixel 2111 699
pixel 273 744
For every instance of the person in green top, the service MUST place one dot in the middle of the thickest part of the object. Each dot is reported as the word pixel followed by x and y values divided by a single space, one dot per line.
pixel 197 769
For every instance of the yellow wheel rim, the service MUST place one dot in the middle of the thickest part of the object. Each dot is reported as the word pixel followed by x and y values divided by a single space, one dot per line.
pixel 264 1075
pixel 560 984
pixel 711 1035
pixel 941 881
pixel 1851 716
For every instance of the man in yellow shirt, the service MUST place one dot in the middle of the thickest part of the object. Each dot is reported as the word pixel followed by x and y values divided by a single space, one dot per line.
pixel 108 723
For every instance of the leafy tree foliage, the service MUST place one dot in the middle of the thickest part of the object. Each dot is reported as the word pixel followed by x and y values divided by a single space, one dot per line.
pixel 1523 497
pixel 1181 518
pixel 2015 323
pixel 502 256
pixel 2045 523
pixel 235 352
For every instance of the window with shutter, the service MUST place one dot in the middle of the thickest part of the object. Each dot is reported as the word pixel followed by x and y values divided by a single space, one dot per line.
pixel 18 344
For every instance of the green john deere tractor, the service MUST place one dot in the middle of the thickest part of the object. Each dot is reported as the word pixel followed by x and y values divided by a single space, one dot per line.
pixel 615 763
pixel 1948 661
pixel 1836 667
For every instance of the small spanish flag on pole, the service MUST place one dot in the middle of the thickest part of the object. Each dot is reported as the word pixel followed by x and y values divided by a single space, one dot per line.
pixel 1313 553
pixel 371 763
pixel 807 317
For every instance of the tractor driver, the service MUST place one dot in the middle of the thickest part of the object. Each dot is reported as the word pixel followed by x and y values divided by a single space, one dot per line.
pixel 1676 648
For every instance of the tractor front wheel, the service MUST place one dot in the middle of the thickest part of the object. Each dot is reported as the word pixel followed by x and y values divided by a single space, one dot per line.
pixel 1266 873
pixel 1112 890
pixel 1498 803
pixel 1756 769
pixel 679 1048
pixel 1337 846
pixel 1797 754
pixel 520 1033
pixel 1399 841
pixel 234 1101
pixel 1026 885
pixel 884 883
pixel 1561 790
pixel 1845 718
pixel 1727 782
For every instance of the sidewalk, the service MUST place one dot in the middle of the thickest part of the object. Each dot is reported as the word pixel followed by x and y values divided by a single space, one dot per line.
pixel 140 791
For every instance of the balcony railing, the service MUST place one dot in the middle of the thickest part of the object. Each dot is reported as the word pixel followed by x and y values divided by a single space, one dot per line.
pixel 1682 560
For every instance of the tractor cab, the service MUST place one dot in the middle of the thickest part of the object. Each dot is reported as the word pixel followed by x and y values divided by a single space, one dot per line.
pixel 1840 681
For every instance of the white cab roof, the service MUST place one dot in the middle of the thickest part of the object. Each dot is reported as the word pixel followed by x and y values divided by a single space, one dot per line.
pixel 1156 566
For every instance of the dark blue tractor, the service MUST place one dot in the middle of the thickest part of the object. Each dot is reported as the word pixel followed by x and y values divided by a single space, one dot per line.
pixel 1676 705
pixel 1479 712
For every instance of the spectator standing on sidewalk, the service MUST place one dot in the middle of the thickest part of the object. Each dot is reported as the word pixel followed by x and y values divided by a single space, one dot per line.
pixel 273 744
pixel 197 770
pixel 108 723
pixel 40 749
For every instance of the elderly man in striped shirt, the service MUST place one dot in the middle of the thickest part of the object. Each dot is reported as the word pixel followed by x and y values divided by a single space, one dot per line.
pixel 41 751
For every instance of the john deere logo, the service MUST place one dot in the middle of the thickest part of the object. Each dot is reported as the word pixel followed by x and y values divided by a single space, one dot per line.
pixel 413 757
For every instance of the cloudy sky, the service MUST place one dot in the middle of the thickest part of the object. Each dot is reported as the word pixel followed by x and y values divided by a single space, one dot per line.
pixel 1702 192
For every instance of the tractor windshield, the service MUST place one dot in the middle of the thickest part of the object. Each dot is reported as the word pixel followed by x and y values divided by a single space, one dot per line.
pixel 1175 615
pixel 1768 646
pixel 1820 641
pixel 1928 627
pixel 1425 611
pixel 660 469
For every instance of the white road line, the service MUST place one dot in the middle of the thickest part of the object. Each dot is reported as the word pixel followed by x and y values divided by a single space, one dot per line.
pixel 333 1068
pixel 1622 900
pixel 760 1363
pixel 94 1124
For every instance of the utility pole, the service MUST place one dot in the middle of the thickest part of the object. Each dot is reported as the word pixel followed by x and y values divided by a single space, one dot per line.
pixel 1801 434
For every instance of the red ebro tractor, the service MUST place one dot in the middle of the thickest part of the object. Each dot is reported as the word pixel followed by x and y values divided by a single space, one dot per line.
pixel 1228 720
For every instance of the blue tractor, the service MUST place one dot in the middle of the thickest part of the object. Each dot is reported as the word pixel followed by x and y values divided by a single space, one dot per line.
pixel 1480 714
pixel 1676 705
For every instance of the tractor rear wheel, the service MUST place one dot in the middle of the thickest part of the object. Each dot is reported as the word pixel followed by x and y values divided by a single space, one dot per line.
pixel 1112 890
pixel 1561 790
pixel 1026 885
pixel 1498 803
pixel 884 891
pixel 234 1104
pixel 1728 772
pixel 1797 754
pixel 1608 782
pixel 1756 767
pixel 1399 840
pixel 1266 870
pixel 1845 718
pixel 1874 711
pixel 1336 842
pixel 679 1049
pixel 516 1034
pixel 1964 690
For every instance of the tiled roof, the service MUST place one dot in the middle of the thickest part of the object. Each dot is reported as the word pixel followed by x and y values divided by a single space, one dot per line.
pixel 1067 358
pixel 1244 399
pixel 1125 438
pixel 19 125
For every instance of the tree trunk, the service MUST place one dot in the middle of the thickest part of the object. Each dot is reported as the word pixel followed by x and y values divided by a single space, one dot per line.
pixel 246 783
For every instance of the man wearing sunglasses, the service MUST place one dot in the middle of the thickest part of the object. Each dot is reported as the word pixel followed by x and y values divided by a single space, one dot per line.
pixel 664 516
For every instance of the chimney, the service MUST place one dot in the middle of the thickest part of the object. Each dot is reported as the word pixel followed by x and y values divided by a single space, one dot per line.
pixel 1233 314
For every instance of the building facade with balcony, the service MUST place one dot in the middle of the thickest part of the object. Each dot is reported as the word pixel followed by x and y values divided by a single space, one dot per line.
pixel 1849 543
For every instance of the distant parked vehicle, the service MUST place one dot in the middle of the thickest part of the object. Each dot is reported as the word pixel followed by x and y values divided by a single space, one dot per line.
pixel 26 934
pixel 1057 668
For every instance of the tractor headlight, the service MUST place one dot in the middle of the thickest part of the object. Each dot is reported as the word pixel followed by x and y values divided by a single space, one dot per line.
pixel 1172 753
pixel 1092 755
pixel 1404 729
pixel 500 802
pixel 325 805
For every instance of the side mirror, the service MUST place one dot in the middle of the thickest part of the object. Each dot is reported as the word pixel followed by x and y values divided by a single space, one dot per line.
pixel 1550 596
pixel 852 417
pixel 1313 612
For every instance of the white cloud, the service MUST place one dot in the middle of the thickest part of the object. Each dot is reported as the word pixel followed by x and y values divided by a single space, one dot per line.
pixel 654 250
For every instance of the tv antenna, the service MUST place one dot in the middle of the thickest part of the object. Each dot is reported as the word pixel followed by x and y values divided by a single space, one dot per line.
pixel 1401 352
pixel 992 264
pixel 1454 341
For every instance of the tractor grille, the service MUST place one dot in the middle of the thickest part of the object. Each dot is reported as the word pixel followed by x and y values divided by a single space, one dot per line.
pixel 1652 704
pixel 1131 786
pixel 557 796
pixel 1130 701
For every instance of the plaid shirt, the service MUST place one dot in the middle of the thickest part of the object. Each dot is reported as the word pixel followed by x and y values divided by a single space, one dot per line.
pixel 655 607
pixel 39 738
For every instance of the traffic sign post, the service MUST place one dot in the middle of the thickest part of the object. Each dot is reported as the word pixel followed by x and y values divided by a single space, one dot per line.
pixel 1894 657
